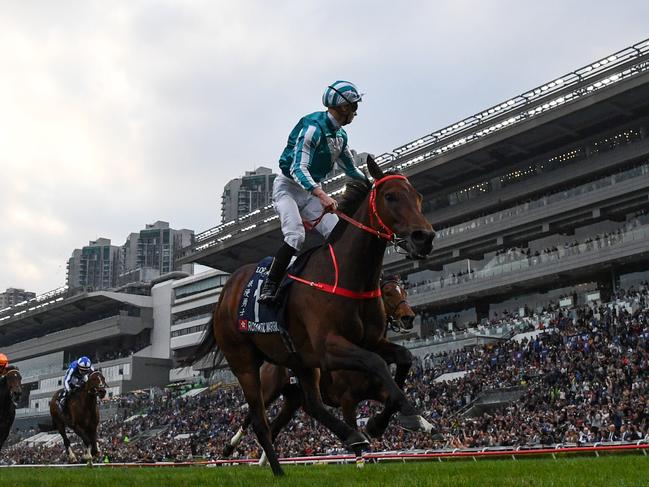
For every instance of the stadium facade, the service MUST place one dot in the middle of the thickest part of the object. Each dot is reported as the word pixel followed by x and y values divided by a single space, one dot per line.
pixel 541 197
pixel 134 335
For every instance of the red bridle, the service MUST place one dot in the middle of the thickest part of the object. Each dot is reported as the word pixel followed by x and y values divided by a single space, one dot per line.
pixel 388 235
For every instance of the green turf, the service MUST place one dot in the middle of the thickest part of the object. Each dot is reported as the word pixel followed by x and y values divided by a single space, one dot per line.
pixel 628 470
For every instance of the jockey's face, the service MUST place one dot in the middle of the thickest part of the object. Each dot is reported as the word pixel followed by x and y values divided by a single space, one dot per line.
pixel 345 113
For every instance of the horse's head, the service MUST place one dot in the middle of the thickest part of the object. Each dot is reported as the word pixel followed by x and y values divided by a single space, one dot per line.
pixel 96 384
pixel 13 379
pixel 400 314
pixel 396 207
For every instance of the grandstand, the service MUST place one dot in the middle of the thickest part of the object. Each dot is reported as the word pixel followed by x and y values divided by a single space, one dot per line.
pixel 553 173
pixel 133 334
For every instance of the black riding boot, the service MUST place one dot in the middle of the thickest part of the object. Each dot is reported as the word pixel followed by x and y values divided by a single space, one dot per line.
pixel 63 400
pixel 276 273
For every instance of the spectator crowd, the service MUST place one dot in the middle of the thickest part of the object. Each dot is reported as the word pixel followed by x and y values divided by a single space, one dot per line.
pixel 582 374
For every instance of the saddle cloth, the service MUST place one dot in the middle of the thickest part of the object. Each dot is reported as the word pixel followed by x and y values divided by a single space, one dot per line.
pixel 256 317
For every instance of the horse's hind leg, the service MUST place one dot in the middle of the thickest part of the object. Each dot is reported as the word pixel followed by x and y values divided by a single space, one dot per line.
pixel 273 379
pixel 251 385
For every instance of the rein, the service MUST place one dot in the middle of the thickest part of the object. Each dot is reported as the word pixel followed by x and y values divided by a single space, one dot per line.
pixel 388 235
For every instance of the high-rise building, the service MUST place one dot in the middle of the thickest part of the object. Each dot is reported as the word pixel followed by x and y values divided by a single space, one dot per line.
pixel 153 252
pixel 94 266
pixel 14 296
pixel 248 193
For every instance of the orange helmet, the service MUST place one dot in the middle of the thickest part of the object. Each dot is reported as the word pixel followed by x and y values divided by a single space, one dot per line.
pixel 4 361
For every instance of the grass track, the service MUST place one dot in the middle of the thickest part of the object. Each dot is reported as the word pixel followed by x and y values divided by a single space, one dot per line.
pixel 619 470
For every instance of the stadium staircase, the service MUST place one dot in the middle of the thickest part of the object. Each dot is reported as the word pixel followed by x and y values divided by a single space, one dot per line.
pixel 490 400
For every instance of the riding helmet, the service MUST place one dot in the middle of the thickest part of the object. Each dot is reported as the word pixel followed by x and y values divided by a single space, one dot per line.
pixel 84 364
pixel 340 93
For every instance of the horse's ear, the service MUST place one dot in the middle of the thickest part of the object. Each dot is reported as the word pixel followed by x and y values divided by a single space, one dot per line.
pixel 373 168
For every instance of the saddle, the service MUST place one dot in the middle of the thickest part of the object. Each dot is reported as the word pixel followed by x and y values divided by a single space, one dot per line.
pixel 63 408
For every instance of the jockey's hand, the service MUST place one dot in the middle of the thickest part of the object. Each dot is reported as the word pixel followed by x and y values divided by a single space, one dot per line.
pixel 328 203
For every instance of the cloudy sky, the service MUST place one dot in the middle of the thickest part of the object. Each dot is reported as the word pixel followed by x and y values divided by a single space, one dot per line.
pixel 117 114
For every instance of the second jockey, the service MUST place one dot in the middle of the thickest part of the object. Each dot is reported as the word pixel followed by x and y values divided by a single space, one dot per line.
pixel 315 144
pixel 4 363
pixel 75 377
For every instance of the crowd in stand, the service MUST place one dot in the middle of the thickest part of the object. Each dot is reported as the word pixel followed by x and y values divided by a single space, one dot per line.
pixel 584 377
pixel 526 257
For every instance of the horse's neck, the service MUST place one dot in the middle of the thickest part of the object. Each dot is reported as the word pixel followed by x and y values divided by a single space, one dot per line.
pixel 360 253
pixel 85 395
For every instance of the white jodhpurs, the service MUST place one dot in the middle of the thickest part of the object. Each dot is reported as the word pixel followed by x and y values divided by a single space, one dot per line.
pixel 294 204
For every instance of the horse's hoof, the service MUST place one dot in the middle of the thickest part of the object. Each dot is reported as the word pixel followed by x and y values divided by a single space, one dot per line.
pixel 416 422
pixel 357 439
pixel 263 461
pixel 373 429
pixel 227 451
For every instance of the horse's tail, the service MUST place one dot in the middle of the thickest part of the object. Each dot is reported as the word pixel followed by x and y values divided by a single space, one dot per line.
pixel 206 346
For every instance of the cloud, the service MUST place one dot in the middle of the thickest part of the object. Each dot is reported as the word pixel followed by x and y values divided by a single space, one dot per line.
pixel 117 115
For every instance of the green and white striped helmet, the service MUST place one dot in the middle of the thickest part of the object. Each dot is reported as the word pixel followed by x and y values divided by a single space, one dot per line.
pixel 340 93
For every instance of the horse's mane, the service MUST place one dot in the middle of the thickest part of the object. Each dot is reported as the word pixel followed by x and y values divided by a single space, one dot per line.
pixel 356 191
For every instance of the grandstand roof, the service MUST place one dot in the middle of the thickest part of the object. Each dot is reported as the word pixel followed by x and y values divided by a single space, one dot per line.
pixel 66 313
pixel 606 93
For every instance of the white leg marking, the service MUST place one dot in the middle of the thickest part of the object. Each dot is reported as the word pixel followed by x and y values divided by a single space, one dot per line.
pixel 263 460
pixel 236 439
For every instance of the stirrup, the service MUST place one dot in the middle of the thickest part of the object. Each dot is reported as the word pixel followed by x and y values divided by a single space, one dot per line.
pixel 268 292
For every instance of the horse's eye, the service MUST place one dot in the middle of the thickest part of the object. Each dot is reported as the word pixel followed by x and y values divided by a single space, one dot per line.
pixel 391 197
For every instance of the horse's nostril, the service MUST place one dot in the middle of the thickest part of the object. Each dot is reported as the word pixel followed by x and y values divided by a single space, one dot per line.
pixel 422 237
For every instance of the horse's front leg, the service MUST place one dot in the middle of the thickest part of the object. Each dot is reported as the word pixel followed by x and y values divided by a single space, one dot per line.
pixel 340 353
pixel 94 450
pixel 398 355
pixel 402 358
pixel 309 380
pixel 87 444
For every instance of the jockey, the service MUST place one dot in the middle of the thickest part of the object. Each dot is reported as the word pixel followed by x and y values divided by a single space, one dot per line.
pixel 4 363
pixel 76 376
pixel 314 145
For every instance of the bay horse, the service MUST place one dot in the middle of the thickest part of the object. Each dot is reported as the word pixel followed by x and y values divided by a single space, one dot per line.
pixel 82 415
pixel 10 392
pixel 331 327
pixel 342 388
